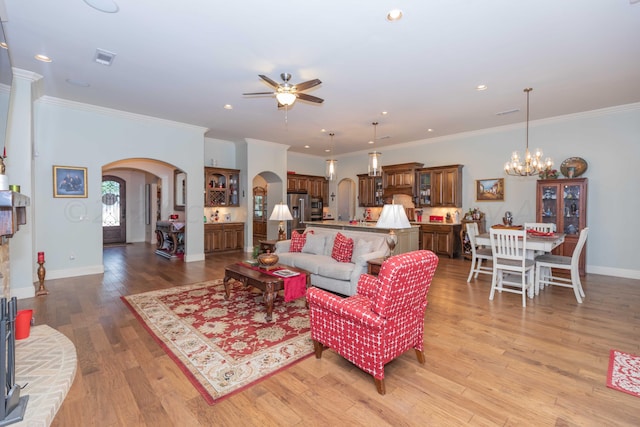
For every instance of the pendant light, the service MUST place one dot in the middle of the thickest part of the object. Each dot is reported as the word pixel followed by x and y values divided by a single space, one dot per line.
pixel 531 164
pixel 375 167
pixel 332 163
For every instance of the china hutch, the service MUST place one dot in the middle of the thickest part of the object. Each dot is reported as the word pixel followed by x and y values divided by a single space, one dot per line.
pixel 221 187
pixel 563 202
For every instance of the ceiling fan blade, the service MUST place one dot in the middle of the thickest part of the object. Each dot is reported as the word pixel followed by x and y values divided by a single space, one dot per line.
pixel 268 80
pixel 258 93
pixel 309 98
pixel 308 84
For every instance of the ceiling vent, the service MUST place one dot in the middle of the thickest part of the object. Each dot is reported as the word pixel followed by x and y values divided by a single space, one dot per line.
pixel 104 57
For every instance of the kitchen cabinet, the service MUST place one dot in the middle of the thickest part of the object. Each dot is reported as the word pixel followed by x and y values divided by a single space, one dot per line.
pixel 369 191
pixel 439 187
pixel 221 187
pixel 563 202
pixel 315 186
pixel 399 179
pixel 221 237
pixel 443 239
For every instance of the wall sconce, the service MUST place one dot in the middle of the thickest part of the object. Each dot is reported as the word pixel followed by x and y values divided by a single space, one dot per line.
pixel 333 196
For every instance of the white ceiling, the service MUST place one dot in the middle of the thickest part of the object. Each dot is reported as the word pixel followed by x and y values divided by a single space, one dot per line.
pixel 184 60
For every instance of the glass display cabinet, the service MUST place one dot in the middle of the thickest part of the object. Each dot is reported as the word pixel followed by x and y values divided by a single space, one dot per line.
pixel 563 202
pixel 221 187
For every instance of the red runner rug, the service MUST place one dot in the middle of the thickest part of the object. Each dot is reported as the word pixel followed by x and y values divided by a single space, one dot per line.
pixel 624 372
pixel 224 346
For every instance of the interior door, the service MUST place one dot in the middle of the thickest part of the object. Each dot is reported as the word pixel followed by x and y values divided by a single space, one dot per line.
pixel 114 225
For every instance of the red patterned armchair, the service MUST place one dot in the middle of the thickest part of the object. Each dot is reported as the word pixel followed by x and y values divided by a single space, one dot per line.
pixel 382 320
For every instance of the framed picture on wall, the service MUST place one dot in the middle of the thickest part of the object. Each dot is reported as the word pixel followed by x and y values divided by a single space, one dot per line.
pixel 490 190
pixel 69 181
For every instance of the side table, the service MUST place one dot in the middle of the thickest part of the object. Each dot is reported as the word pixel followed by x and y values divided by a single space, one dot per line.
pixel 373 266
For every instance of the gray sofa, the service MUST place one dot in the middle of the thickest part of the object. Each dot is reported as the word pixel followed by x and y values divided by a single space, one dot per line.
pixel 326 272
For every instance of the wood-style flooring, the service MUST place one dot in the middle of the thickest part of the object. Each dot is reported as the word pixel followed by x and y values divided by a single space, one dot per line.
pixel 488 363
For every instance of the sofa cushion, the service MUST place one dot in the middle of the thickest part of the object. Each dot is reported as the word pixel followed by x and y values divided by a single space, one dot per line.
pixel 297 241
pixel 314 244
pixel 342 248
pixel 312 263
pixel 336 270
pixel 361 247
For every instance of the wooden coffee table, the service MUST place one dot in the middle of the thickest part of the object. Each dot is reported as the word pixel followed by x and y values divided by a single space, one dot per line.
pixel 268 284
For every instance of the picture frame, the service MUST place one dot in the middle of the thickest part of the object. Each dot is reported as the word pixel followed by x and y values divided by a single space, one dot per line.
pixel 490 190
pixel 69 181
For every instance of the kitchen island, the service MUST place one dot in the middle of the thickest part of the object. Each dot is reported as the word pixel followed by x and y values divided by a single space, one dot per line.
pixel 407 237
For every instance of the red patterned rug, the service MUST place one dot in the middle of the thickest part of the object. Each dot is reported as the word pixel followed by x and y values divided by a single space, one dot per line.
pixel 624 372
pixel 224 346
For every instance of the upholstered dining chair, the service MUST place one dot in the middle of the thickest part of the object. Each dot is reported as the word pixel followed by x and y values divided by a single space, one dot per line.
pixel 478 254
pixel 510 258
pixel 382 320
pixel 545 263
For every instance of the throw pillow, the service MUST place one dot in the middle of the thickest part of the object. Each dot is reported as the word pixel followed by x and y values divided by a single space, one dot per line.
pixel 298 240
pixel 313 245
pixel 361 247
pixel 342 248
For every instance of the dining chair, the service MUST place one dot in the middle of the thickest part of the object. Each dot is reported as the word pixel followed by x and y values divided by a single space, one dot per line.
pixel 478 254
pixel 545 263
pixel 509 258
pixel 545 227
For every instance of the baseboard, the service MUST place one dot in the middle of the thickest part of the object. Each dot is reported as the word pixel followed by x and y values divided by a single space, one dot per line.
pixel 616 272
pixel 74 272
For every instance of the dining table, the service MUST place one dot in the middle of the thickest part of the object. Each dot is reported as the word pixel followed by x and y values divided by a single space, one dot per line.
pixel 535 244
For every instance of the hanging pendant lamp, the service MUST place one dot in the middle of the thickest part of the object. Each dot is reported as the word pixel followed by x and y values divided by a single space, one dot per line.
pixel 531 164
pixel 375 167
pixel 332 163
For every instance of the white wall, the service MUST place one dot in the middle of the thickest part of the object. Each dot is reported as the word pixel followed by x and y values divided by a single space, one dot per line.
pixel 72 134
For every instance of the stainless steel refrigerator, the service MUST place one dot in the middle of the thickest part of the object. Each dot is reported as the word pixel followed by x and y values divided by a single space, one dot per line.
pixel 300 209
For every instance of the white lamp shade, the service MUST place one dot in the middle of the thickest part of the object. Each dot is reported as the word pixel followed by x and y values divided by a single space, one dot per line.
pixel 393 216
pixel 285 98
pixel 281 213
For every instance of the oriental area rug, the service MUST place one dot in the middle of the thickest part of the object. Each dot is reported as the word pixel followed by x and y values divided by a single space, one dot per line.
pixel 624 372
pixel 224 346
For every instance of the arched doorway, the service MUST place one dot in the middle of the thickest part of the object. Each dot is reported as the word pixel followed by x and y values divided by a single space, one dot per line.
pixel 114 201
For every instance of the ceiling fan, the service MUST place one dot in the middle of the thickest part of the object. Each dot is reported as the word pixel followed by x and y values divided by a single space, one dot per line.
pixel 287 93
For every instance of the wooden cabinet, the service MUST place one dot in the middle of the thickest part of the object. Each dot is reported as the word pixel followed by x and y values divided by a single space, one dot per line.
pixel 369 190
pixel 223 237
pixel 221 187
pixel 563 202
pixel 443 239
pixel 439 187
pixel 400 179
pixel 315 186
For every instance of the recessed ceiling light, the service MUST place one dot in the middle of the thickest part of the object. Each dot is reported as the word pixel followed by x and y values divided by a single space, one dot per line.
pixel 4 45
pixel 43 58
pixel 77 83
pixel 228 107
pixel 306 146
pixel 106 6
pixel 326 150
pixel 323 130
pixel 384 113
pixel 481 87
pixel 429 130
pixel 370 142
pixel 394 15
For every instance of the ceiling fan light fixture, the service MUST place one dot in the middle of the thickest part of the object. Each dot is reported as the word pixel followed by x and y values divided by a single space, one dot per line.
pixel 285 98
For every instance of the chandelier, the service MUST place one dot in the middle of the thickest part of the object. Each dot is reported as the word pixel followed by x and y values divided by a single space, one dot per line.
pixel 532 163
pixel 332 163
pixel 375 168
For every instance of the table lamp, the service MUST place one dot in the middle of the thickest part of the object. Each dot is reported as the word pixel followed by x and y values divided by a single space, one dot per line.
pixel 393 217
pixel 281 213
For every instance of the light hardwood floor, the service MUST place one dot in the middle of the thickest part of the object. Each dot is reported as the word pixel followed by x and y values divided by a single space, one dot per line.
pixel 487 363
